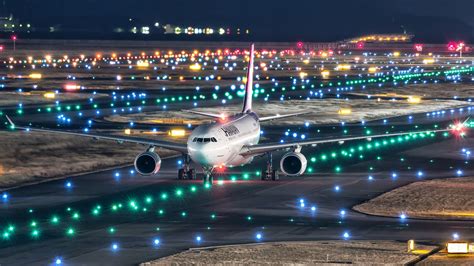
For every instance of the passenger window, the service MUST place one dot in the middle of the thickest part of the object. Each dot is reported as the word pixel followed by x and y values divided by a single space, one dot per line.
pixel 195 139
pixel 199 140
pixel 213 139
pixel 207 140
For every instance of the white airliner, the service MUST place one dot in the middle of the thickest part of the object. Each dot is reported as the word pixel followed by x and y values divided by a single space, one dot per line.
pixel 229 141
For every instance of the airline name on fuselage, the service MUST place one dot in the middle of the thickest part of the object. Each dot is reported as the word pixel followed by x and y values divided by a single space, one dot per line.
pixel 230 130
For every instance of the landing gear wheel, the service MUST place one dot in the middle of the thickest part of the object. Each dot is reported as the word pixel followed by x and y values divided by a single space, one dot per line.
pixel 192 174
pixel 208 180
pixel 269 173
pixel 181 174
pixel 275 176
pixel 263 175
pixel 272 175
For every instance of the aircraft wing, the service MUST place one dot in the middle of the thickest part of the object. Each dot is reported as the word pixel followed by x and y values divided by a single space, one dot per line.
pixel 217 116
pixel 148 142
pixel 263 148
pixel 268 118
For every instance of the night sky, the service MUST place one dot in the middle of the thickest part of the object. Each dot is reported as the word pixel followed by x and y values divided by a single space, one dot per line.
pixel 307 20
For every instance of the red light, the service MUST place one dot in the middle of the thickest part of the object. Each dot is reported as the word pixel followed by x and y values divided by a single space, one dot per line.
pixel 1 48
pixel 458 129
pixel 299 45
pixel 419 47
pixel 360 45
pixel 220 168
pixel 14 37
pixel 452 46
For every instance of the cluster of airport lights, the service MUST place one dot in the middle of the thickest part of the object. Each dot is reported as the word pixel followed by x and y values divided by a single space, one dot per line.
pixel 236 90
pixel 128 102
pixel 230 64
pixel 97 210
pixel 145 206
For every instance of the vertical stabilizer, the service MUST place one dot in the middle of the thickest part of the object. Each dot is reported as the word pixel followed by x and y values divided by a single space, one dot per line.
pixel 249 86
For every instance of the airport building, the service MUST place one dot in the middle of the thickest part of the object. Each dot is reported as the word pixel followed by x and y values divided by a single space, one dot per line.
pixel 382 38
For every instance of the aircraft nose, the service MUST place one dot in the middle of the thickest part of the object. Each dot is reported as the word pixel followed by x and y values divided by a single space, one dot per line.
pixel 201 153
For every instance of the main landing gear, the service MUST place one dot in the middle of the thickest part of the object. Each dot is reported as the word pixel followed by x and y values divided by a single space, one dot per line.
pixel 186 172
pixel 269 173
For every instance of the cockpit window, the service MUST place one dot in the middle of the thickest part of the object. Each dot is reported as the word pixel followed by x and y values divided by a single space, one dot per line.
pixel 205 140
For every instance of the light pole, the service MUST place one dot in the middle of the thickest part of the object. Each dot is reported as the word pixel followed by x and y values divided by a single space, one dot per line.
pixel 14 42
pixel 460 48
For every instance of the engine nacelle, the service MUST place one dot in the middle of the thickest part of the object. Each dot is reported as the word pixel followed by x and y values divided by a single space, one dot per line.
pixel 293 164
pixel 148 163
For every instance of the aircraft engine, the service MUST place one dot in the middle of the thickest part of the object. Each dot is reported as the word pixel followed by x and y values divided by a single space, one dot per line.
pixel 293 164
pixel 148 163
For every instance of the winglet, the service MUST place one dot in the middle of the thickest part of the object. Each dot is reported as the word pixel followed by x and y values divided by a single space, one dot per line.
pixel 10 121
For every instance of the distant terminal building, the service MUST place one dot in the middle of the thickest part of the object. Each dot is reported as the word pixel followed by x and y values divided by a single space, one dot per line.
pixel 172 29
pixel 382 38
pixel 10 24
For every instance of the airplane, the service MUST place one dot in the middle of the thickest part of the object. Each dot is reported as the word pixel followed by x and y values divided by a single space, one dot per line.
pixel 229 141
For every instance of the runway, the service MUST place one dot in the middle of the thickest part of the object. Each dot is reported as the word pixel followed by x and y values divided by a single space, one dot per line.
pixel 116 217
pixel 230 212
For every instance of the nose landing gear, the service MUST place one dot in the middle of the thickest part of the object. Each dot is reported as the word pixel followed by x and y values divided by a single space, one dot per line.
pixel 208 177
pixel 186 172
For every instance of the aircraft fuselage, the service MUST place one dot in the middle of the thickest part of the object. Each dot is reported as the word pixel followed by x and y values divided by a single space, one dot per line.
pixel 219 143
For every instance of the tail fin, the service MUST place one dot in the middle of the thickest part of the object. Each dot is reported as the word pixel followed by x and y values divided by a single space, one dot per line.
pixel 249 86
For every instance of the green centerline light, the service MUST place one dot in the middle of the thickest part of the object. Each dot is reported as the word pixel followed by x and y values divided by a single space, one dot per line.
pixel 75 216
pixel 35 233
pixel 70 231
pixel 54 219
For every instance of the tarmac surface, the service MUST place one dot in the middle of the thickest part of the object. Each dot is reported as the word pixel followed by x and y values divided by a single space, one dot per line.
pixel 116 217
pixel 228 213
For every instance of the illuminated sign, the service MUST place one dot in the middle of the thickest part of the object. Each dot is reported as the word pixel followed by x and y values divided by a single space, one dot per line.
pixel 457 247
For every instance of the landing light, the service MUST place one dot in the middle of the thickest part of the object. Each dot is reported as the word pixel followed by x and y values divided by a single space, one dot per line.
pixel 195 67
pixel 344 111
pixel 35 76
pixel 177 133
pixel 49 95
pixel 414 99
pixel 143 64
